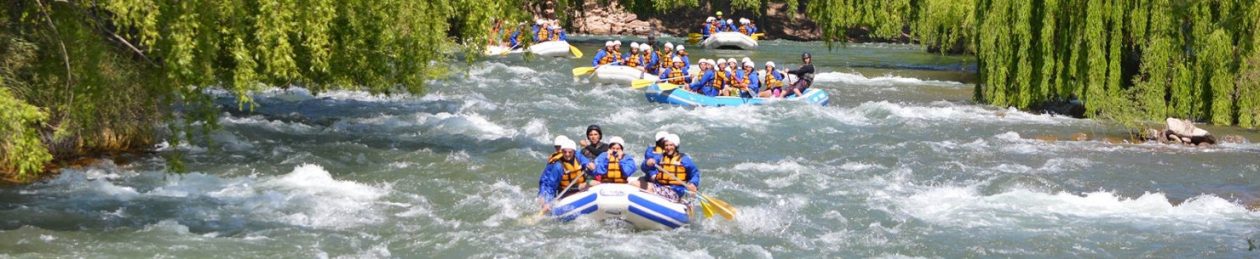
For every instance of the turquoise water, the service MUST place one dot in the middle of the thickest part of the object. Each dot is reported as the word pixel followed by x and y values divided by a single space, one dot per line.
pixel 900 163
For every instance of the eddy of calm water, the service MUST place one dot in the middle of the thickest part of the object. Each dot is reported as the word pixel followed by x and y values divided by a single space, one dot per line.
pixel 901 163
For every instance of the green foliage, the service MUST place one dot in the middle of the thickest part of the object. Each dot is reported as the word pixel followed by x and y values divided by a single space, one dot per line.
pixel 21 149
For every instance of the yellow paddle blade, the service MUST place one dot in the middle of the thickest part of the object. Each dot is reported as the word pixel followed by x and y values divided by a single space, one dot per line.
pixel 758 36
pixel 576 53
pixel 721 207
pixel 641 83
pixel 693 35
pixel 706 208
pixel 579 71
pixel 667 86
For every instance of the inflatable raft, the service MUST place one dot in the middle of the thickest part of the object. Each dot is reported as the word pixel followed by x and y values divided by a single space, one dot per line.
pixel 622 75
pixel 644 210
pixel 678 96
pixel 729 40
pixel 551 49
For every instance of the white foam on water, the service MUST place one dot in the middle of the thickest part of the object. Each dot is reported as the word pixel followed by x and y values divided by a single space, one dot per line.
pixel 884 80
pixel 272 125
pixel 965 207
pixel 441 124
pixel 949 112
pixel 308 196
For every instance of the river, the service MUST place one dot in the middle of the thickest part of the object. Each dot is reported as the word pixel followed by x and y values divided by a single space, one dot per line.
pixel 900 163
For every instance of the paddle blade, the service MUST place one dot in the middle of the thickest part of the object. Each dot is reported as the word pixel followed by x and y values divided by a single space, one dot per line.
pixel 758 36
pixel 706 208
pixel 579 71
pixel 721 207
pixel 641 83
pixel 667 86
pixel 576 53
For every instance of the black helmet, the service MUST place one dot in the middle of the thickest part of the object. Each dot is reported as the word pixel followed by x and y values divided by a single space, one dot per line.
pixel 805 55
pixel 595 128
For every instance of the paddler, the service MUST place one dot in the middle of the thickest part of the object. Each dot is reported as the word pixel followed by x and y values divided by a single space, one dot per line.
pixel 650 60
pixel 749 83
pixel 708 27
pixel 565 172
pixel 593 145
pixel 606 55
pixel 614 166
pixel 675 174
pixel 773 84
pixel 677 74
pixel 681 53
pixel 704 84
pixel 804 76
pixel 633 59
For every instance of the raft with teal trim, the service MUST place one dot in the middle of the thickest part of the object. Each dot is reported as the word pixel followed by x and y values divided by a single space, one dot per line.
pixel 610 201
pixel 681 97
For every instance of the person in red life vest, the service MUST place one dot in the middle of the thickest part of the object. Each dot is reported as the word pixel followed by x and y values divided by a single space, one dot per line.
pixel 565 175
pixel 675 174
pixel 614 166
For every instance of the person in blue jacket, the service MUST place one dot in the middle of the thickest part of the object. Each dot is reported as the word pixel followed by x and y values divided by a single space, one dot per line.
pixel 675 174
pixel 681 53
pixel 563 175
pixel 650 59
pixel 708 28
pixel 750 81
pixel 606 55
pixel 614 166
pixel 677 74
pixel 704 84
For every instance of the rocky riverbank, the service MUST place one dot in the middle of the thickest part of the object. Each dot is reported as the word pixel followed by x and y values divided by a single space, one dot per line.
pixel 613 19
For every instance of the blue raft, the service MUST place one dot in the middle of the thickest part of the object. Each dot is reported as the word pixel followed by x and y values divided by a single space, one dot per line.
pixel 680 97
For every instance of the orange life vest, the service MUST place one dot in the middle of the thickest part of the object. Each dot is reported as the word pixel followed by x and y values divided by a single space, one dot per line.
pixel 671 171
pixel 572 172
pixel 543 34
pixel 633 61
pixel 743 29
pixel 614 174
pixel 771 82
pixel 676 76
pixel 609 58
pixel 554 36
pixel 720 79
pixel 667 60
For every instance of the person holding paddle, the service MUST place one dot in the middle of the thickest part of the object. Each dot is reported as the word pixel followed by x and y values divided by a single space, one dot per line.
pixel 614 166
pixel 677 74
pixel 748 82
pixel 561 177
pixel 606 55
pixel 705 83
pixel 675 174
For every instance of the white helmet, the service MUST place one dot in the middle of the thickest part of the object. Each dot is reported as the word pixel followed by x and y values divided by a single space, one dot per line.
pixel 729 21
pixel 617 140
pixel 645 47
pixel 669 45
pixel 710 19
pixel 559 140
pixel 749 63
pixel 746 60
pixel 721 62
pixel 680 47
pixel 634 45
pixel 770 63
pixel 608 44
pixel 676 59
pixel 672 138
pixel 568 144
pixel 617 43
pixel 659 135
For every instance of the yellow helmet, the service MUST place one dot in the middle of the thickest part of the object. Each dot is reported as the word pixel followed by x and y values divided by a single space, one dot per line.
pixel 719 13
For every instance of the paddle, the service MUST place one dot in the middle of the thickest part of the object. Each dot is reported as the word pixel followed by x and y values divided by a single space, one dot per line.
pixel 641 83
pixel 534 220
pixel 576 53
pixel 693 38
pixel 758 36
pixel 721 207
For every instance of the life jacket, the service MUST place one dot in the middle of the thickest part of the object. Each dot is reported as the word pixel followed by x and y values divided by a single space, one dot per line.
pixel 555 36
pixel 614 174
pixel 633 61
pixel 721 79
pixel 609 58
pixel 676 76
pixel 671 166
pixel 543 34
pixel 771 82
pixel 572 172
pixel 747 80
pixel 744 30
pixel 715 27
pixel 667 60
pixel 555 157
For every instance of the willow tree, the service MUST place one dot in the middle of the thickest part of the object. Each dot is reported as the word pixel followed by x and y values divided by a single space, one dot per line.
pixel 108 76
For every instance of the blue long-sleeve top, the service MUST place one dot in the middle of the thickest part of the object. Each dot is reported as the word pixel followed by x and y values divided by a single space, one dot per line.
pixel 686 61
pixel 627 165
pixel 754 80
pixel 704 85
pixel 665 74
pixel 706 29
pixel 651 62
pixel 599 55
pixel 693 173
pixel 549 180
pixel 515 39
pixel 563 35
pixel 652 153
pixel 752 29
